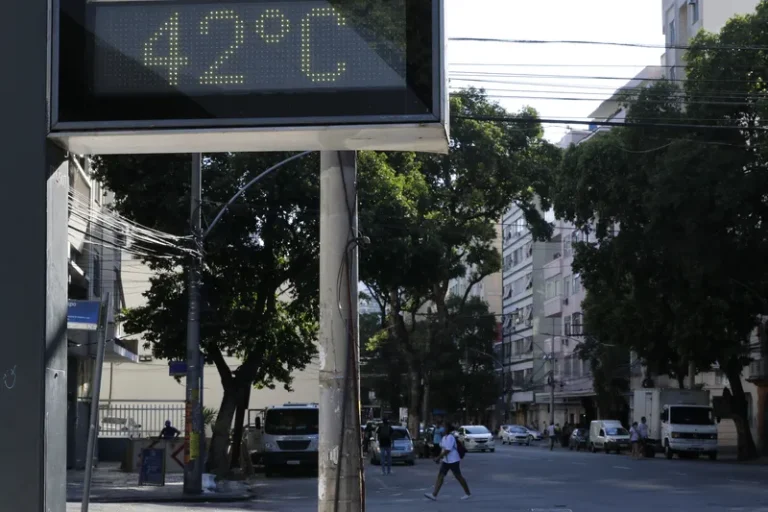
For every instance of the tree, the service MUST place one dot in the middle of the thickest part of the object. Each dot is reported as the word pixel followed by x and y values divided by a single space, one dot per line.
pixel 677 218
pixel 433 218
pixel 260 287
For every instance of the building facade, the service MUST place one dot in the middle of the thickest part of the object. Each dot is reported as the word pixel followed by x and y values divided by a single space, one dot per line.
pixel 682 20
pixel 95 274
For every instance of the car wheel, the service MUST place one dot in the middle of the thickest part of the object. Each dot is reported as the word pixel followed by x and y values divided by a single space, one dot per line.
pixel 410 463
pixel 493 450
pixel 713 456
pixel 268 471
pixel 570 446
pixel 592 448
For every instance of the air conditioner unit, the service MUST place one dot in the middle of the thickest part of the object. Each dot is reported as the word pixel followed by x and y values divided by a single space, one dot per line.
pixel 565 301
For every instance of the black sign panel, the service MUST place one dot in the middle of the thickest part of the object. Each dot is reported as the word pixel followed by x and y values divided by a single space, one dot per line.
pixel 152 471
pixel 247 62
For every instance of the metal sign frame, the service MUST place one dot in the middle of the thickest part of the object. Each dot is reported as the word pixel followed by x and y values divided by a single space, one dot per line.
pixel 428 133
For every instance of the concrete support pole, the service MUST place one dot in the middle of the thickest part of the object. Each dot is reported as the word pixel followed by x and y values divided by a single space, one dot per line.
pixel 340 464
pixel 33 270
pixel 193 468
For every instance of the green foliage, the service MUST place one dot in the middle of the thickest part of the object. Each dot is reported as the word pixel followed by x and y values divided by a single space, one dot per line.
pixel 681 280
pixel 433 218
pixel 260 281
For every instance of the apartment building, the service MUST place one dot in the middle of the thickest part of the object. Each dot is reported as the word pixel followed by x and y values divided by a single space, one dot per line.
pixel 524 329
pixel 95 270
pixel 684 18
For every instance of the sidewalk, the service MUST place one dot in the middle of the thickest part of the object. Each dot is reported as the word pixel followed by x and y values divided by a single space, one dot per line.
pixel 726 454
pixel 110 485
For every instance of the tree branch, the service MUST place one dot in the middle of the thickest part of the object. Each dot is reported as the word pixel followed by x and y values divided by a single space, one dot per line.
pixel 221 365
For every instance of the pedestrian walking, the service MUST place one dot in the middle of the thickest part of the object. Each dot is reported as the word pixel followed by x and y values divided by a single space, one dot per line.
pixel 634 439
pixel 449 460
pixel 384 437
pixel 552 434
pixel 642 430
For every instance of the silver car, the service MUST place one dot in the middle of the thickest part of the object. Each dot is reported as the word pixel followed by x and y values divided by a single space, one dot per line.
pixel 402 447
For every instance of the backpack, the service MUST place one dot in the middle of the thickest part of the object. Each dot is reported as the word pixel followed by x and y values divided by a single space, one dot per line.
pixel 460 448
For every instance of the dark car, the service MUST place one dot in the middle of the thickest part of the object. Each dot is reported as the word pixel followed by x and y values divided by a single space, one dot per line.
pixel 579 439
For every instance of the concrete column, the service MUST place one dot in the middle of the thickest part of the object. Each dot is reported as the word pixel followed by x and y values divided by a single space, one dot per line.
pixel 340 476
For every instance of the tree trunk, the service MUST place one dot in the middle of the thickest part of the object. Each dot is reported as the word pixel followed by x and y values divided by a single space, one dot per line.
pixel 740 412
pixel 218 462
pixel 413 403
pixel 237 432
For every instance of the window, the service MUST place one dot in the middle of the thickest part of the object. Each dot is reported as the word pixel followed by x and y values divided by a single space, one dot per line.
pixel 576 284
pixel 671 28
pixel 576 324
pixel 694 11
pixel 567 286
pixel 567 326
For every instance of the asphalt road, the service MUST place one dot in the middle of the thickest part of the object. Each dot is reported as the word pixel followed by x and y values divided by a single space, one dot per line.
pixel 525 479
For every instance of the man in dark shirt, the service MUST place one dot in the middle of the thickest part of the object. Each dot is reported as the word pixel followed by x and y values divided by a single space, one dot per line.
pixel 169 432
pixel 384 437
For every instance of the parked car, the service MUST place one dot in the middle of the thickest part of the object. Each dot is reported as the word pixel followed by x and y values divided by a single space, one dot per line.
pixel 515 434
pixel 477 438
pixel 579 439
pixel 535 434
pixel 402 447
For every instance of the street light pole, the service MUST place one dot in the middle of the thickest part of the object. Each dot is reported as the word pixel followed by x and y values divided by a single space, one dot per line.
pixel 193 467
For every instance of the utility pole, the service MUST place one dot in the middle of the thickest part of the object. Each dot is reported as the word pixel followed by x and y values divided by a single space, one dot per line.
pixel 552 380
pixel 340 462
pixel 193 439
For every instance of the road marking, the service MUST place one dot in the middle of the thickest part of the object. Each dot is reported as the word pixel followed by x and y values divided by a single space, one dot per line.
pixel 749 482
pixel 579 463
pixel 621 467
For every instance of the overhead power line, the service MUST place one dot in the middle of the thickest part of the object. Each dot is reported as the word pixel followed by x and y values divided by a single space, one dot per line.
pixel 520 120
pixel 605 43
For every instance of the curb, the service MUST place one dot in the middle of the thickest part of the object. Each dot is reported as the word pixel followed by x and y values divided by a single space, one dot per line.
pixel 203 498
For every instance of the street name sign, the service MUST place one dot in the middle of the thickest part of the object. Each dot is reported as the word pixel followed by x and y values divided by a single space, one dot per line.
pixel 143 76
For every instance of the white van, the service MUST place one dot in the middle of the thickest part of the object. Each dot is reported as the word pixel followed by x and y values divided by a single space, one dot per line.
pixel 608 435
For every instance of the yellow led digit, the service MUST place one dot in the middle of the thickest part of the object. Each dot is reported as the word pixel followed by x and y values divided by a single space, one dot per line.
pixel 174 61
pixel 306 45
pixel 273 14
pixel 211 76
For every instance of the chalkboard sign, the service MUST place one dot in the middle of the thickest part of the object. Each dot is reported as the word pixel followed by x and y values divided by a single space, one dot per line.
pixel 152 471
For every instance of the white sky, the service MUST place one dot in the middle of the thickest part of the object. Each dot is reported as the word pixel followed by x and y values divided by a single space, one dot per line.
pixel 593 20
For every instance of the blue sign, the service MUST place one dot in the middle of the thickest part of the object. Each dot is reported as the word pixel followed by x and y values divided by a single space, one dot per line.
pixel 83 315
pixel 152 471
pixel 177 368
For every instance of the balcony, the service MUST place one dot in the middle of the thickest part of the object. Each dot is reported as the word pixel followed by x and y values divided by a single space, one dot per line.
pixel 552 269
pixel 758 370
pixel 553 308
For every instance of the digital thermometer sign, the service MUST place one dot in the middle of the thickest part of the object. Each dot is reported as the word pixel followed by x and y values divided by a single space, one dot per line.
pixel 193 64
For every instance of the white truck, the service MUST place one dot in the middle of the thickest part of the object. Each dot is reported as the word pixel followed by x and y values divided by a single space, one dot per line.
pixel 284 436
pixel 680 421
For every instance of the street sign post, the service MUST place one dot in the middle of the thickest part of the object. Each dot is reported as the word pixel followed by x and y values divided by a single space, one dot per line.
pixel 178 76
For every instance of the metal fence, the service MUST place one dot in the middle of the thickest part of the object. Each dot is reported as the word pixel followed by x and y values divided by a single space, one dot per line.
pixel 139 419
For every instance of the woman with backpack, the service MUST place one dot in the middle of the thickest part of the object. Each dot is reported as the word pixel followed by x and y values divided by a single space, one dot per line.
pixel 452 451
